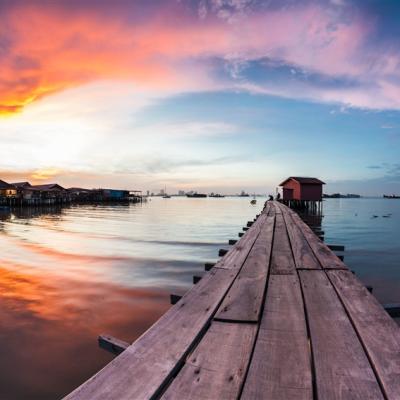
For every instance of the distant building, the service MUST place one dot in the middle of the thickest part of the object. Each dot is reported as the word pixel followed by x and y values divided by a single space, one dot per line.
pixel 181 193
pixel 110 195
pixel 24 190
pixel 79 194
pixel 49 191
pixel 302 188
pixel 7 190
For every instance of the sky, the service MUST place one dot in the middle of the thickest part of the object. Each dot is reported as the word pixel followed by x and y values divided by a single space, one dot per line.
pixel 206 95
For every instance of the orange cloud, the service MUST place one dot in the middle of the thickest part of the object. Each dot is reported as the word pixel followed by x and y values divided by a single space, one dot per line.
pixel 50 50
pixel 166 46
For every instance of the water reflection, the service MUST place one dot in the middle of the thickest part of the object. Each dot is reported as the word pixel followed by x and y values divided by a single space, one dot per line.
pixel 49 327
pixel 68 274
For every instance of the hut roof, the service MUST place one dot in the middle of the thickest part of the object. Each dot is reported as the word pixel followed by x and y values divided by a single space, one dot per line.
pixel 48 187
pixel 5 185
pixel 304 180
pixel 21 184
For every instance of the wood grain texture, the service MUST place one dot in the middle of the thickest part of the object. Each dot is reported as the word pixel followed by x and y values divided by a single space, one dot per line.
pixel 244 299
pixel 282 258
pixel 145 366
pixel 217 367
pixel 303 255
pixel 342 369
pixel 281 365
pixel 378 332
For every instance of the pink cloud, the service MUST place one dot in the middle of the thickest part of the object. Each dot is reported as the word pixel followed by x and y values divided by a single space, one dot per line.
pixel 51 49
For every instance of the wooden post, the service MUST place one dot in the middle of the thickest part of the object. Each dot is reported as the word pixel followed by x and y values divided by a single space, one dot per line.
pixel 208 266
pixel 174 298
pixel 112 344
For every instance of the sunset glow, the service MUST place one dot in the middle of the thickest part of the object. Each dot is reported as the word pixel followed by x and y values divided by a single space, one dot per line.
pixel 126 75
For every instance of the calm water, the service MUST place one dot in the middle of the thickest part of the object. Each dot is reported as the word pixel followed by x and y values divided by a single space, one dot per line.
pixel 68 274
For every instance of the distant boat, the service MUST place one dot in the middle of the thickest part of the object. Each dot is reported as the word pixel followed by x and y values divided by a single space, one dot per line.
pixel 166 195
pixel 217 195
pixel 196 195
pixel 254 201
pixel 391 196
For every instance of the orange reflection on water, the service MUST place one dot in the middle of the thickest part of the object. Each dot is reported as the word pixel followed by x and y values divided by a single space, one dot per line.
pixel 50 324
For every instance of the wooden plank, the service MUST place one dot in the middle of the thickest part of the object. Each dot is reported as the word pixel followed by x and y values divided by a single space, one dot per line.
pixel 282 257
pixel 144 368
pixel 342 369
pixel 217 367
pixel 378 332
pixel 244 299
pixel 303 255
pixel 280 368
pixel 325 256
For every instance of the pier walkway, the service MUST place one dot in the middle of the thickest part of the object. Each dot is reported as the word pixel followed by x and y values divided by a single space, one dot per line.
pixel 278 317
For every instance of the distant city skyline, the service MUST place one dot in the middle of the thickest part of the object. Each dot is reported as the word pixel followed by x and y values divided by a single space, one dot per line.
pixel 207 95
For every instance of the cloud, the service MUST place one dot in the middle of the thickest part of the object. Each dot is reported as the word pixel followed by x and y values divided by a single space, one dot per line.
pixel 172 46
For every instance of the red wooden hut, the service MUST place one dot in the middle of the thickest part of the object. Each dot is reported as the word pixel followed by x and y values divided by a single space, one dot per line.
pixel 302 189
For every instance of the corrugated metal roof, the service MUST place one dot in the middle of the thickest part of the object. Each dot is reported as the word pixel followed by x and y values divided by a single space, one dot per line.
pixel 304 180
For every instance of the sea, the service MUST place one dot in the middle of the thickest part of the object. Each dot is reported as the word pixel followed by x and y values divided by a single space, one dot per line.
pixel 68 274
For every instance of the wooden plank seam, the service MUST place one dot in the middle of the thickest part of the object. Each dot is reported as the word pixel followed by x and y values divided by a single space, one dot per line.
pixel 378 379
pixel 201 334
pixel 262 307
pixel 310 348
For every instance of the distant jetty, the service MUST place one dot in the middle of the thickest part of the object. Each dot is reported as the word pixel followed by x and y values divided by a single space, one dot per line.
pixel 25 194
pixel 196 195
pixel 341 196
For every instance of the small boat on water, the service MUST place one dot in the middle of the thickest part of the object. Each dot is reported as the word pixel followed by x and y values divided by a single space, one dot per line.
pixel 254 201
pixel 217 195
pixel 196 195
pixel 166 195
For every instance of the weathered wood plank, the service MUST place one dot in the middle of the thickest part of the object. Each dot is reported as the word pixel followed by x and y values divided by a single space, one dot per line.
pixel 282 257
pixel 325 256
pixel 281 365
pixel 244 299
pixel 145 367
pixel 378 332
pixel 217 367
pixel 342 369
pixel 303 255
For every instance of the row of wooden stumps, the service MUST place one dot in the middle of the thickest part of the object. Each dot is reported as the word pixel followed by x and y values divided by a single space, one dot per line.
pixel 174 298
pixel 117 346
pixel 308 205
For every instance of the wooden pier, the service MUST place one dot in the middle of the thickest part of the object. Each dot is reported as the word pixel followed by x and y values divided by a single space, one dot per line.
pixel 280 316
